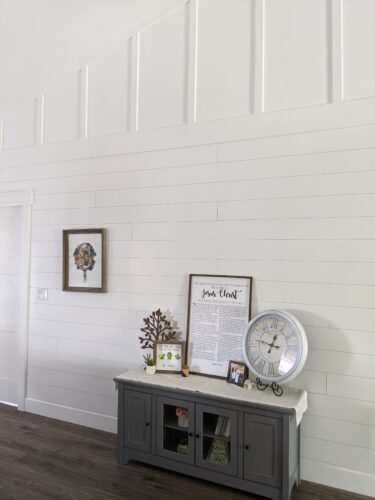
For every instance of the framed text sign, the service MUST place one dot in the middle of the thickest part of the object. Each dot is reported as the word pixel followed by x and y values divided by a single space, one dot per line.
pixel 218 314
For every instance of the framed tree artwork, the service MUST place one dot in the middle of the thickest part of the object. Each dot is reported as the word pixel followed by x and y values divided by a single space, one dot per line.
pixel 84 260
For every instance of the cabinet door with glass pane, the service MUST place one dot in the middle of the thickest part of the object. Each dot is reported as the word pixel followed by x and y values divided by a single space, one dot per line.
pixel 216 439
pixel 175 429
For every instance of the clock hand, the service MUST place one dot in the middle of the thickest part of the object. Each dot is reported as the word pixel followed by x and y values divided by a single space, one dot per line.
pixel 271 345
pixel 262 342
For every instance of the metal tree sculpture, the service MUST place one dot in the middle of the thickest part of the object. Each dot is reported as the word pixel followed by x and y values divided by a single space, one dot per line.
pixel 157 327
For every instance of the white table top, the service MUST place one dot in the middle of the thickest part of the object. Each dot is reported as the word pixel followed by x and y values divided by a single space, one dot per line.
pixel 292 400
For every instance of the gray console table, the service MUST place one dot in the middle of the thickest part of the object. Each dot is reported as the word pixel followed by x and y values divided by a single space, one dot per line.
pixel 244 439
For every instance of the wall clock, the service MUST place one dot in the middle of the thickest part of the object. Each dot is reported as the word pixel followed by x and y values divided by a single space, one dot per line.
pixel 275 348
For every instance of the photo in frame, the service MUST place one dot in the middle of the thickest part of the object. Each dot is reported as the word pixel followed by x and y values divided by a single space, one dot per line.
pixel 238 372
pixel 219 311
pixel 169 356
pixel 84 260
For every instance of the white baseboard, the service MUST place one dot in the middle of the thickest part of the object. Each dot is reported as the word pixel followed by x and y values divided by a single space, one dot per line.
pixel 338 477
pixel 72 415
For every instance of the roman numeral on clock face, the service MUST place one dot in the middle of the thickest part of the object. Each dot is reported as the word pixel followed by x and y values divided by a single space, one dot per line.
pixel 293 347
pixel 274 323
pixel 254 343
pixel 254 356
pixel 271 370
pixel 263 325
pixel 260 365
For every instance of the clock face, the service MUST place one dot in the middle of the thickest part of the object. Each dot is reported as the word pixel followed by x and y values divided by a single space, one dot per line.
pixel 275 346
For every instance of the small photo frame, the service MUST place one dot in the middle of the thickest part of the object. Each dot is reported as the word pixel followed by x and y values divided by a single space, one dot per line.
pixel 84 260
pixel 238 372
pixel 169 356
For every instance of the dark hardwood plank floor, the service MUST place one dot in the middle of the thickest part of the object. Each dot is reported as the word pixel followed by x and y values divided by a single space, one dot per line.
pixel 42 458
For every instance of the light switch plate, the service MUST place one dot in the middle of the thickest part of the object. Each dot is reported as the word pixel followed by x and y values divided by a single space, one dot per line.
pixel 43 294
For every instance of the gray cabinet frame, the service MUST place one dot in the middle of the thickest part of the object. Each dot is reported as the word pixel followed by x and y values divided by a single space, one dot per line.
pixel 282 437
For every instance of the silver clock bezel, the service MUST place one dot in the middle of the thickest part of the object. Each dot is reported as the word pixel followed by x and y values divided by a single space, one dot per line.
pixel 298 366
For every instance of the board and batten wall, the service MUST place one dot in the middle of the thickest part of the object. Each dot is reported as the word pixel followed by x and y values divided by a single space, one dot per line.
pixel 223 137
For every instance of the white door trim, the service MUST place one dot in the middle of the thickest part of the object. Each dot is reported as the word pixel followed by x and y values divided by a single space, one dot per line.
pixel 23 199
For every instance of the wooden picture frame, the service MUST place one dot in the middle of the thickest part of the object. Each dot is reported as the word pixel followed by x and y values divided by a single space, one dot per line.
pixel 166 347
pixel 234 377
pixel 222 305
pixel 84 260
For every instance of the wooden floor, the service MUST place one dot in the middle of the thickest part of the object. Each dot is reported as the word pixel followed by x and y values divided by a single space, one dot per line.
pixel 42 458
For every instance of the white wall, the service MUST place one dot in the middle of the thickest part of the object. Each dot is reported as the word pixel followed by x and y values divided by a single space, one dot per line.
pixel 221 138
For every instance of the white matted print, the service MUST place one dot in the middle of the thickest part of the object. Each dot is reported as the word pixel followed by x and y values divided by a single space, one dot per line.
pixel 218 315
pixel 83 260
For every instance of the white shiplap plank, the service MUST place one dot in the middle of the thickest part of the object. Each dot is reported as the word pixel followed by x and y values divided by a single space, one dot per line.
pixel 346 228
pixel 102 300
pixel 356 273
pixel 346 183
pixel 337 408
pixel 336 339
pixel 223 248
pixel 88 333
pixel 73 381
pixel 339 431
pixel 315 293
pixel 150 213
pixel 343 455
pixel 42 344
pixel 76 364
pixel 313 382
pixel 341 363
pixel 352 387
pixel 308 207
pixel 316 142
pixel 73 398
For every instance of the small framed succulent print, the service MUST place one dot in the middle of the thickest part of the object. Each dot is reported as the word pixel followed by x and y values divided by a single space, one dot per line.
pixel 84 260
pixel 169 356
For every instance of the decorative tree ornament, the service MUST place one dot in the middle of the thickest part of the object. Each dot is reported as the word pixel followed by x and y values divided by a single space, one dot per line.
pixel 156 328
pixel 84 258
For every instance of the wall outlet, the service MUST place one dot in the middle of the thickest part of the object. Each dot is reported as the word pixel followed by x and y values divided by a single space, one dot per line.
pixel 43 294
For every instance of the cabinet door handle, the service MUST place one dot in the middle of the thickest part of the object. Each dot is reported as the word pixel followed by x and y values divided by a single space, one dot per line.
pixel 190 434
pixel 197 436
pixel 147 424
pixel 247 446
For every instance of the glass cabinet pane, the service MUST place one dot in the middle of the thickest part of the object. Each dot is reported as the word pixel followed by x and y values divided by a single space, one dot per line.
pixel 175 428
pixel 216 443
pixel 216 438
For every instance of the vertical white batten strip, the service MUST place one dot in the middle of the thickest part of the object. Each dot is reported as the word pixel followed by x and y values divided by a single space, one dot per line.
pixel 133 84
pixel 186 63
pixel 129 92
pixel 42 103
pixel 342 49
pixel 1 135
pixel 136 74
pixel 192 62
pixel 259 56
pixel 334 50
pixel 85 100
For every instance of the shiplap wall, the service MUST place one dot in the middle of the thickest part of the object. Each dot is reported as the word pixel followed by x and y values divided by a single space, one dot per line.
pixel 224 137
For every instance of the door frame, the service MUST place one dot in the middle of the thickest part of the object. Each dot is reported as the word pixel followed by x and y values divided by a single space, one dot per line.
pixel 24 200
